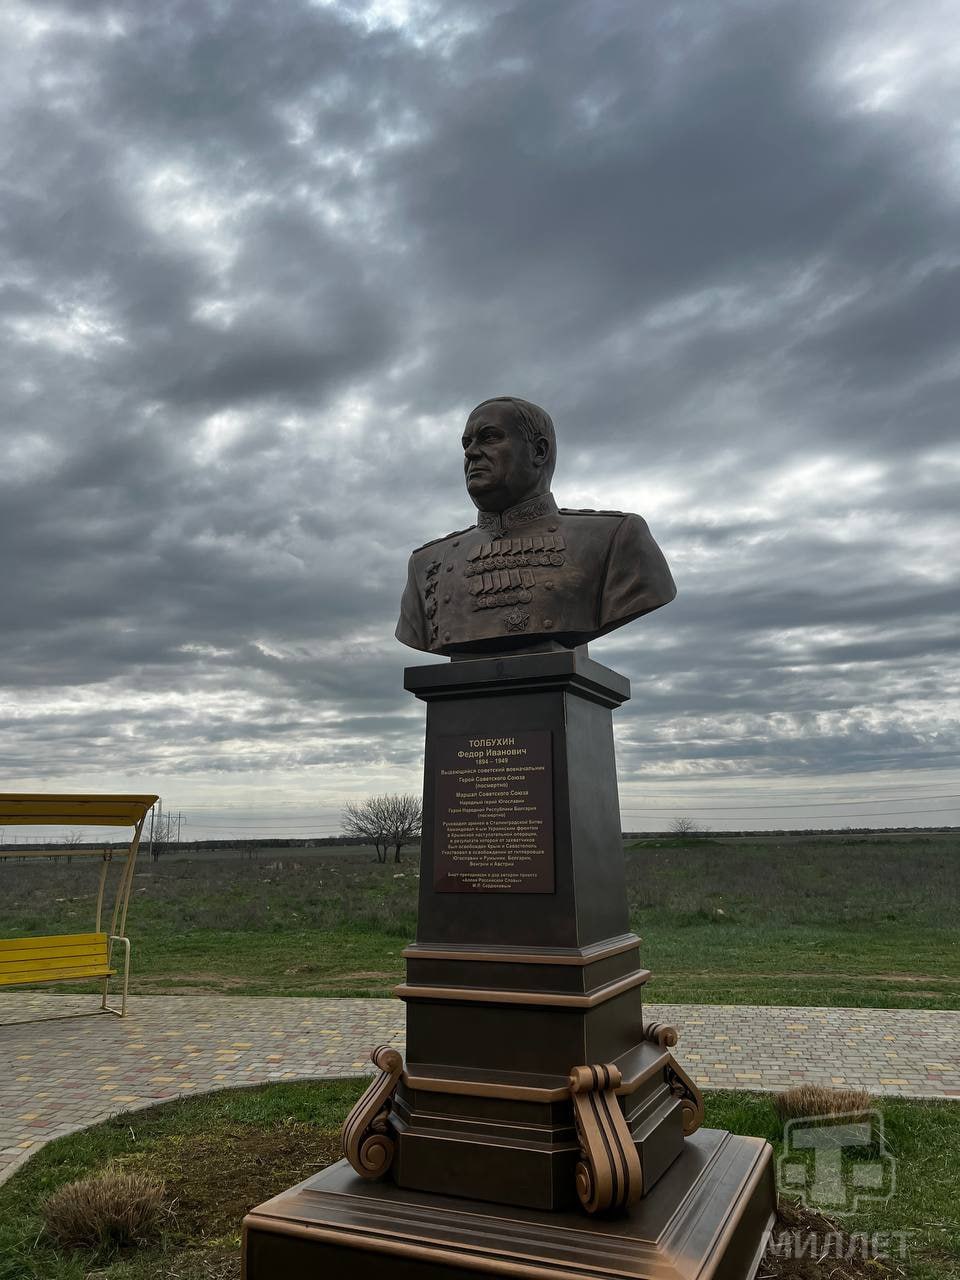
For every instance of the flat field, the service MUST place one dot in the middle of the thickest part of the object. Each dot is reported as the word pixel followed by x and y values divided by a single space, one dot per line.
pixel 862 921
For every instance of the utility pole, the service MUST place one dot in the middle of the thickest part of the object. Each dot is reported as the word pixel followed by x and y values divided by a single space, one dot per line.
pixel 179 816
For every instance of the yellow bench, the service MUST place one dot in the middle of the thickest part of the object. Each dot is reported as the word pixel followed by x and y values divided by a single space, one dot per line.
pixel 75 957
pixel 63 958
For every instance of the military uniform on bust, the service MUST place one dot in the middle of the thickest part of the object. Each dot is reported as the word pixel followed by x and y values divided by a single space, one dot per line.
pixel 532 573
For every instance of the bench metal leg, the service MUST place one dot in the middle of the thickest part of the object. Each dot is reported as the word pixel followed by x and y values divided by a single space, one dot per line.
pixel 122 1011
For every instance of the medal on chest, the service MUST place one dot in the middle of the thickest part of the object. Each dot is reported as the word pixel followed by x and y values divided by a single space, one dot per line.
pixel 506 572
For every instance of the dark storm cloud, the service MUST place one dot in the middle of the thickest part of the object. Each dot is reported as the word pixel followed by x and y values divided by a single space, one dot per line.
pixel 258 261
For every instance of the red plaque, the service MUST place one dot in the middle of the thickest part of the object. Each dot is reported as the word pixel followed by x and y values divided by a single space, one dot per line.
pixel 494 824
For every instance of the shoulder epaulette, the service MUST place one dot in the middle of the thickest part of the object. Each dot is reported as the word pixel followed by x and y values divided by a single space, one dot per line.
pixel 433 541
pixel 588 511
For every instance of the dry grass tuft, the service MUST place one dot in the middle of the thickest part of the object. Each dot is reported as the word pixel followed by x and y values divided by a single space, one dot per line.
pixel 108 1210
pixel 817 1100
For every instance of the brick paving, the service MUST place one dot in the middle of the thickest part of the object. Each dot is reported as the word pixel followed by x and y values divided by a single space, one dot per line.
pixel 65 1072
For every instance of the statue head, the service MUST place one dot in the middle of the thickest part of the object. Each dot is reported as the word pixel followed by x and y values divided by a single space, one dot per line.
pixel 509 452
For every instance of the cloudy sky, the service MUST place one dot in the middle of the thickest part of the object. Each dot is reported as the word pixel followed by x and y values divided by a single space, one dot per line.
pixel 259 260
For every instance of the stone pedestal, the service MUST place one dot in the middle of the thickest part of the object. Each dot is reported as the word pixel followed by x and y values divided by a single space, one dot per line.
pixel 507 991
pixel 708 1216
pixel 524 971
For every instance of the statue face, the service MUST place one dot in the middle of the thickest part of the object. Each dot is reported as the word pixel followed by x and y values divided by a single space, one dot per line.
pixel 500 465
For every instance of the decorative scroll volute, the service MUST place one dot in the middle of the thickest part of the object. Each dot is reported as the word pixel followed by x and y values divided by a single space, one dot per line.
pixel 365 1137
pixel 608 1174
pixel 691 1099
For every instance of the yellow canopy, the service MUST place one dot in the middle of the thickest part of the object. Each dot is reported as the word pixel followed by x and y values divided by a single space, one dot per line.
pixel 95 811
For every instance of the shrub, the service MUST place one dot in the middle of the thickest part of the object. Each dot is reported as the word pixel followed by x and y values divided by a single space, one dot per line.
pixel 808 1100
pixel 107 1210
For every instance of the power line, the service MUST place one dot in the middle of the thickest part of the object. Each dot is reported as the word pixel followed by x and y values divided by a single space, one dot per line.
pixel 323 815
pixel 799 804
pixel 296 831
pixel 790 782
pixel 305 828
pixel 258 821
pixel 814 817
pixel 820 793
pixel 292 825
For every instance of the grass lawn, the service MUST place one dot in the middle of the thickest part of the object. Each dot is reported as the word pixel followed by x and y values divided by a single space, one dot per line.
pixel 222 1153
pixel 779 920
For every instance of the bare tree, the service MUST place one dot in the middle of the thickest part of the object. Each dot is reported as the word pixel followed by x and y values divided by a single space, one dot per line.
pixel 72 840
pixel 386 822
pixel 684 827
pixel 406 817
pixel 368 822
pixel 164 833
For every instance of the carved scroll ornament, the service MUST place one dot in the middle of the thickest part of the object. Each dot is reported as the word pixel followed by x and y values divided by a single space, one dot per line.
pixel 608 1173
pixel 365 1137
pixel 691 1099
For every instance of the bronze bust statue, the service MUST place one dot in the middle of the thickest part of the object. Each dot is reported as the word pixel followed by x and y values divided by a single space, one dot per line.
pixel 528 574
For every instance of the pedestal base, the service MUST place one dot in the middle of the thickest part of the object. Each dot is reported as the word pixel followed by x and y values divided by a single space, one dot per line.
pixel 708 1216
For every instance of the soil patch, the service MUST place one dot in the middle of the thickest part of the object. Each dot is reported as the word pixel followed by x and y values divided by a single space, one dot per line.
pixel 828 1251
pixel 174 984
pixel 344 979
pixel 811 974
pixel 216 1179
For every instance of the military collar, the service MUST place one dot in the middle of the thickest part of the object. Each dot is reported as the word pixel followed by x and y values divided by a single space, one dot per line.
pixel 497 523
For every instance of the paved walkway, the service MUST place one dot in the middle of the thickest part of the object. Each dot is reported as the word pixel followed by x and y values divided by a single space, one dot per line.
pixel 68 1072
